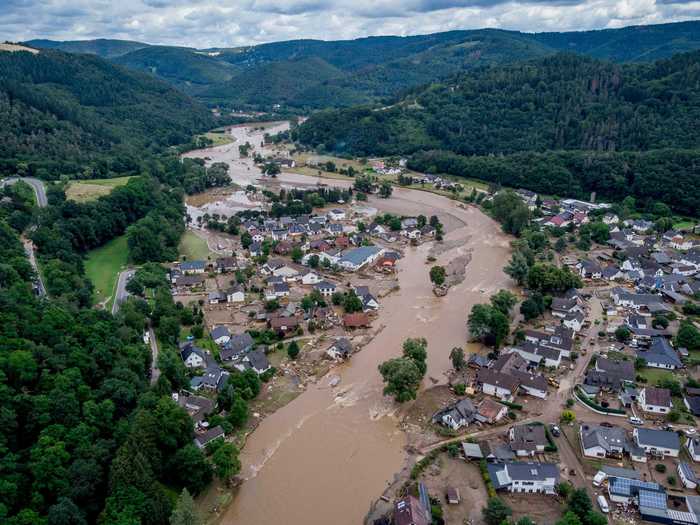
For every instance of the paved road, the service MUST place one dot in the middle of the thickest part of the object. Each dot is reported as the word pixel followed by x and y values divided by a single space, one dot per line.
pixel 120 294
pixel 40 193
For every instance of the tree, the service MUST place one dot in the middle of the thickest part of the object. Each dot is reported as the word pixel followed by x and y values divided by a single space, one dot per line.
pixel 533 306
pixel 385 190
pixel 297 254
pixel 246 240
pixel 496 511
pixel 191 468
pixel 225 461
pixel 517 268
pixel 594 518
pixel 65 512
pixel 488 324
pixel 352 303
pixel 569 518
pixel 525 520
pixel 293 350
pixel 579 502
pixel 567 416
pixel 457 358
pixel 503 301
pixel 437 275
pixel 623 334
pixel 313 261
pixel 564 489
pixel 417 350
pixel 402 378
pixel 185 511
pixel 688 336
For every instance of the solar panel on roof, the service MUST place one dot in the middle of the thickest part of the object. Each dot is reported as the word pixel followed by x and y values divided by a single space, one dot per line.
pixel 652 499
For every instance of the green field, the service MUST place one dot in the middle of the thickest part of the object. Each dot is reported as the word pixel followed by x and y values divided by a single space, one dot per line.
pixel 684 225
pixel 103 265
pixel 218 139
pixel 654 375
pixel 193 247
pixel 83 191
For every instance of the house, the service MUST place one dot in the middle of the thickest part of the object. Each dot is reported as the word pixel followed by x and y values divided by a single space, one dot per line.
pixel 531 384
pixel 524 477
pixel 336 214
pixel 226 264
pixel 628 490
pixel 356 258
pixel 497 384
pixel 655 400
pixel 220 335
pixel 284 325
pixel 660 355
pixel 590 269
pixel 660 443
pixel 602 441
pixel 692 403
pixel 325 288
pixel 214 378
pixel 255 360
pixel 457 415
pixel 340 349
pixel 356 320
pixel 310 278
pixel 369 302
pixel 537 355
pixel 197 407
pixel 193 267
pixel 478 361
pixel 610 374
pixel 235 294
pixel 288 273
pixel 216 297
pixel 687 475
pixel 411 511
pixel 574 321
pixel 185 283
pixel 561 307
pixel 236 347
pixel 490 411
pixel 693 446
pixel 193 357
pixel 527 440
pixel 278 291
pixel 255 249
pixel 202 439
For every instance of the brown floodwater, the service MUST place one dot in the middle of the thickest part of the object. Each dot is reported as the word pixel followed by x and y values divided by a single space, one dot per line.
pixel 324 457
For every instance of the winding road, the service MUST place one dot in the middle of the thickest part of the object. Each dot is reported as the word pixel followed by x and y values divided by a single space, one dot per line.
pixel 40 192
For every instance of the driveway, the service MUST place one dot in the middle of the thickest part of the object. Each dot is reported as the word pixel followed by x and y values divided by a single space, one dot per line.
pixel 121 294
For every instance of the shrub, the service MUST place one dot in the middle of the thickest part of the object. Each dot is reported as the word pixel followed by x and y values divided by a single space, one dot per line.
pixel 671 480
pixel 460 389
pixel 660 468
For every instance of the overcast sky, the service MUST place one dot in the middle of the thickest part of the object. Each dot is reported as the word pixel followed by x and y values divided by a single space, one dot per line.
pixel 214 23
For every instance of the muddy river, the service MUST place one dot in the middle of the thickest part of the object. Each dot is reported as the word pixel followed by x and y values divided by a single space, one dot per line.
pixel 328 454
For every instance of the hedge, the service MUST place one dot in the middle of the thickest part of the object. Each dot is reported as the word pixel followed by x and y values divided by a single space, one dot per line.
pixel 584 399
pixel 514 406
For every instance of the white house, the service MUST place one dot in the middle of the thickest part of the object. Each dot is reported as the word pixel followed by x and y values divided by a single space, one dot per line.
pixel 310 278
pixel 235 294
pixel 456 416
pixel 325 288
pixel 660 443
pixel 601 442
pixel 193 357
pixel 221 335
pixel 687 475
pixel 524 477
pixel 693 446
pixel 286 272
pixel 655 400
pixel 336 214
pixel 358 257
pixel 340 349
pixel 496 384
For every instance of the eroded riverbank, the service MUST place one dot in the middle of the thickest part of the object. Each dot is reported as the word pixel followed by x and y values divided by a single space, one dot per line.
pixel 324 457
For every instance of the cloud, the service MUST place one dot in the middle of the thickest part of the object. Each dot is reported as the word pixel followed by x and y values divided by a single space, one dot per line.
pixel 223 23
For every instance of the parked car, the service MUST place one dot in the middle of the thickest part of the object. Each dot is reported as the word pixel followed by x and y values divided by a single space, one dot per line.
pixel 636 421
pixel 603 504
pixel 690 432
pixel 555 430
pixel 599 478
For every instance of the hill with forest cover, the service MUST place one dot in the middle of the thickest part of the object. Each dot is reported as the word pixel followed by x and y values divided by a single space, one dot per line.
pixel 377 69
pixel 103 47
pixel 63 114
pixel 635 117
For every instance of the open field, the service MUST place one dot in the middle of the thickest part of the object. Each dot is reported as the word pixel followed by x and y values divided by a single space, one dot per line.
pixel 193 247
pixel 654 375
pixel 218 138
pixel 103 265
pixel 83 191
pixel 684 225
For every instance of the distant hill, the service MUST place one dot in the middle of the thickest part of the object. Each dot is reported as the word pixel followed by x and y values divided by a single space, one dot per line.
pixel 66 113
pixel 373 69
pixel 101 47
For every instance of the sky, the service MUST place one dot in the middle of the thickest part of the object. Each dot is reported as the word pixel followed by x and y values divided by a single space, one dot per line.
pixel 227 23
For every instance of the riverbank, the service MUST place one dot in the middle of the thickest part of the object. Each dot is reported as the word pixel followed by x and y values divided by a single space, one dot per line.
pixel 331 451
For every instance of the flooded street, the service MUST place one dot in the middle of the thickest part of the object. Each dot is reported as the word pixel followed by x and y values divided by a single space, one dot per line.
pixel 325 456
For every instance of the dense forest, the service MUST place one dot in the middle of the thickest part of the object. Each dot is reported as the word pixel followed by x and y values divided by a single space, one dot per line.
pixel 79 115
pixel 314 74
pixel 615 128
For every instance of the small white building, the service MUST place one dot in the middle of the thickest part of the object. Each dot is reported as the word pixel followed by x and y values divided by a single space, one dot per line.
pixel 310 278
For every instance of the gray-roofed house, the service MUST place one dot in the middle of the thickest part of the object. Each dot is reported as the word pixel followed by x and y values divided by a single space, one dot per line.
pixel 236 347
pixel 601 442
pixel 255 360
pixel 214 378
pixel 660 355
pixel 655 400
pixel 457 415
pixel 340 349
pixel 527 440
pixel 524 477
pixel 687 475
pixel 220 335
pixel 202 439
pixel 192 356
pixel 358 257
pixel 325 288
pixel 659 443
pixel 692 403
pixel 610 374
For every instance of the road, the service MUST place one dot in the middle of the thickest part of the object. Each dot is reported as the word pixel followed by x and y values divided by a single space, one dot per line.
pixel 155 371
pixel 40 193
pixel 120 294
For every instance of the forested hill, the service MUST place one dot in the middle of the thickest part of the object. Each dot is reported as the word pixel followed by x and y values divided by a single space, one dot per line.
pixel 371 69
pixel 615 129
pixel 564 102
pixel 62 114
pixel 106 48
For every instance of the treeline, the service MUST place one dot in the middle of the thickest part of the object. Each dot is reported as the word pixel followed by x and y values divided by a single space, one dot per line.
pixel 668 175
pixel 78 115
pixel 80 431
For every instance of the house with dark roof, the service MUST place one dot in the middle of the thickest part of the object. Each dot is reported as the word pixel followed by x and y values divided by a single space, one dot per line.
pixel 214 378
pixel 660 355
pixel 202 439
pixel 457 415
pixel 658 443
pixel 497 384
pixel 692 403
pixel 655 400
pixel 340 349
pixel 197 407
pixel 527 440
pixel 411 511
pixel 255 360
pixel 220 335
pixel 325 288
pixel 192 356
pixel 237 346
pixel 610 374
pixel 491 411
pixel 687 475
pixel 524 477
pixel 602 441
pixel 693 446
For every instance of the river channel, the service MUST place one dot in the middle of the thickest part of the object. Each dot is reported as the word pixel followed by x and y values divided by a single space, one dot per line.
pixel 324 457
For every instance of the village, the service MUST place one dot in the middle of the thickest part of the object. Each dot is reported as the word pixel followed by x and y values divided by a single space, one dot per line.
pixel 591 392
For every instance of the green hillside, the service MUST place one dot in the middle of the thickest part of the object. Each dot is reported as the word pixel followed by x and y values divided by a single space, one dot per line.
pixel 106 48
pixel 62 114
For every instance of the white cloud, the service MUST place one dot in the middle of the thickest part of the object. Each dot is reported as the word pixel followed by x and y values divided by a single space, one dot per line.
pixel 218 23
